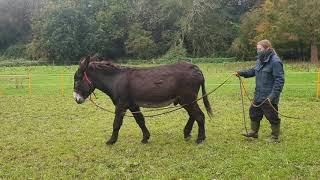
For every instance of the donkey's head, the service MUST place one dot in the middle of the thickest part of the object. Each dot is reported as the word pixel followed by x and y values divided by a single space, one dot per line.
pixel 83 86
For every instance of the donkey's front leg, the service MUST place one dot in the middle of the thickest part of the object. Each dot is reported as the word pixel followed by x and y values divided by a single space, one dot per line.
pixel 118 119
pixel 140 121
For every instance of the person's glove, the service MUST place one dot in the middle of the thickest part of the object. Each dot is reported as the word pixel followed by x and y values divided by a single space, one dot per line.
pixel 236 74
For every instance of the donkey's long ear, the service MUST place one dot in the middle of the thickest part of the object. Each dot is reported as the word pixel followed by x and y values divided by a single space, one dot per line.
pixel 84 63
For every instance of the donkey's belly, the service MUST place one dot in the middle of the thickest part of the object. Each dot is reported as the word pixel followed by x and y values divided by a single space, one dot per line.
pixel 146 104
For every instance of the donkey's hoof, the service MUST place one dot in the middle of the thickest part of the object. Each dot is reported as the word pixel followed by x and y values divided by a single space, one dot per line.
pixel 144 141
pixel 199 141
pixel 187 138
pixel 110 142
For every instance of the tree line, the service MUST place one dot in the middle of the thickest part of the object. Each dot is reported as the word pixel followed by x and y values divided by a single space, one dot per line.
pixel 64 30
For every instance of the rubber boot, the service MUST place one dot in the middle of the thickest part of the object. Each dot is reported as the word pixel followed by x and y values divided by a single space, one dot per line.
pixel 255 125
pixel 275 132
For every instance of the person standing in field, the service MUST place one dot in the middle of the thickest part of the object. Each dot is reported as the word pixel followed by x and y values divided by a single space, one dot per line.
pixel 269 75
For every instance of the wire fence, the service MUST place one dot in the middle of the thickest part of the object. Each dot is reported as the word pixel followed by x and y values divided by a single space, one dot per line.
pixel 298 84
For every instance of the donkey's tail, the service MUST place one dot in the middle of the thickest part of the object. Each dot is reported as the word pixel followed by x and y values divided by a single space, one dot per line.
pixel 205 100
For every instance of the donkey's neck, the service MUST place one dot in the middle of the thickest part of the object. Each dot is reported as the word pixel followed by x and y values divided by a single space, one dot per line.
pixel 104 82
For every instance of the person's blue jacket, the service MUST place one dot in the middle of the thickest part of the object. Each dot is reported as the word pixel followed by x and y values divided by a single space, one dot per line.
pixel 269 78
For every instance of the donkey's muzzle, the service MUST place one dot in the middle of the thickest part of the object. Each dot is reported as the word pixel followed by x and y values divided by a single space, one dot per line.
pixel 78 98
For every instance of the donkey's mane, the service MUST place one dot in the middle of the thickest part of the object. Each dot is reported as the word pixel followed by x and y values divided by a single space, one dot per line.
pixel 111 67
pixel 106 66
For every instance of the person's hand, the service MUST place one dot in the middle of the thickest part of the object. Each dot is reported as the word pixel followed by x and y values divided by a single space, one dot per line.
pixel 236 74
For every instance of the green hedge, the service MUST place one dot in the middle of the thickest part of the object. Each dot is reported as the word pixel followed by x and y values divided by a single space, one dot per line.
pixel 20 62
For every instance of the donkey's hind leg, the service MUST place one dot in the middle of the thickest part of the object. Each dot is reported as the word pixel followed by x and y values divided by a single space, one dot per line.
pixel 138 116
pixel 188 128
pixel 195 112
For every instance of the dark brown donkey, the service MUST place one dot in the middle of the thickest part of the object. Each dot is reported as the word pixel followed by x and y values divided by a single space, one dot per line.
pixel 132 88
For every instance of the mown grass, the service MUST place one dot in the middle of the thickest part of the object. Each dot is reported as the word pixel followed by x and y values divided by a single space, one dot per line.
pixel 51 137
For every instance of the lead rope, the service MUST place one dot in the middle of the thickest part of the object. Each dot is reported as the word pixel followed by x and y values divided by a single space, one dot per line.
pixel 243 112
pixel 266 100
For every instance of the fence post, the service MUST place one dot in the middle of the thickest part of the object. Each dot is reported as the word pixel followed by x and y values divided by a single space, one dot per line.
pixel 30 84
pixel 62 84
pixel 318 84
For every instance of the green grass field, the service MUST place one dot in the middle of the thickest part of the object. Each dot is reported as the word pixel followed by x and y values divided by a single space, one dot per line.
pixel 47 136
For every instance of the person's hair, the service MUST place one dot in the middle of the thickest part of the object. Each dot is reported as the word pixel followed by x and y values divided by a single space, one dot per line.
pixel 265 43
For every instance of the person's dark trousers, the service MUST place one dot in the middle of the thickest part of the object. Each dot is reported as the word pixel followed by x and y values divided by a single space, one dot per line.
pixel 256 115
